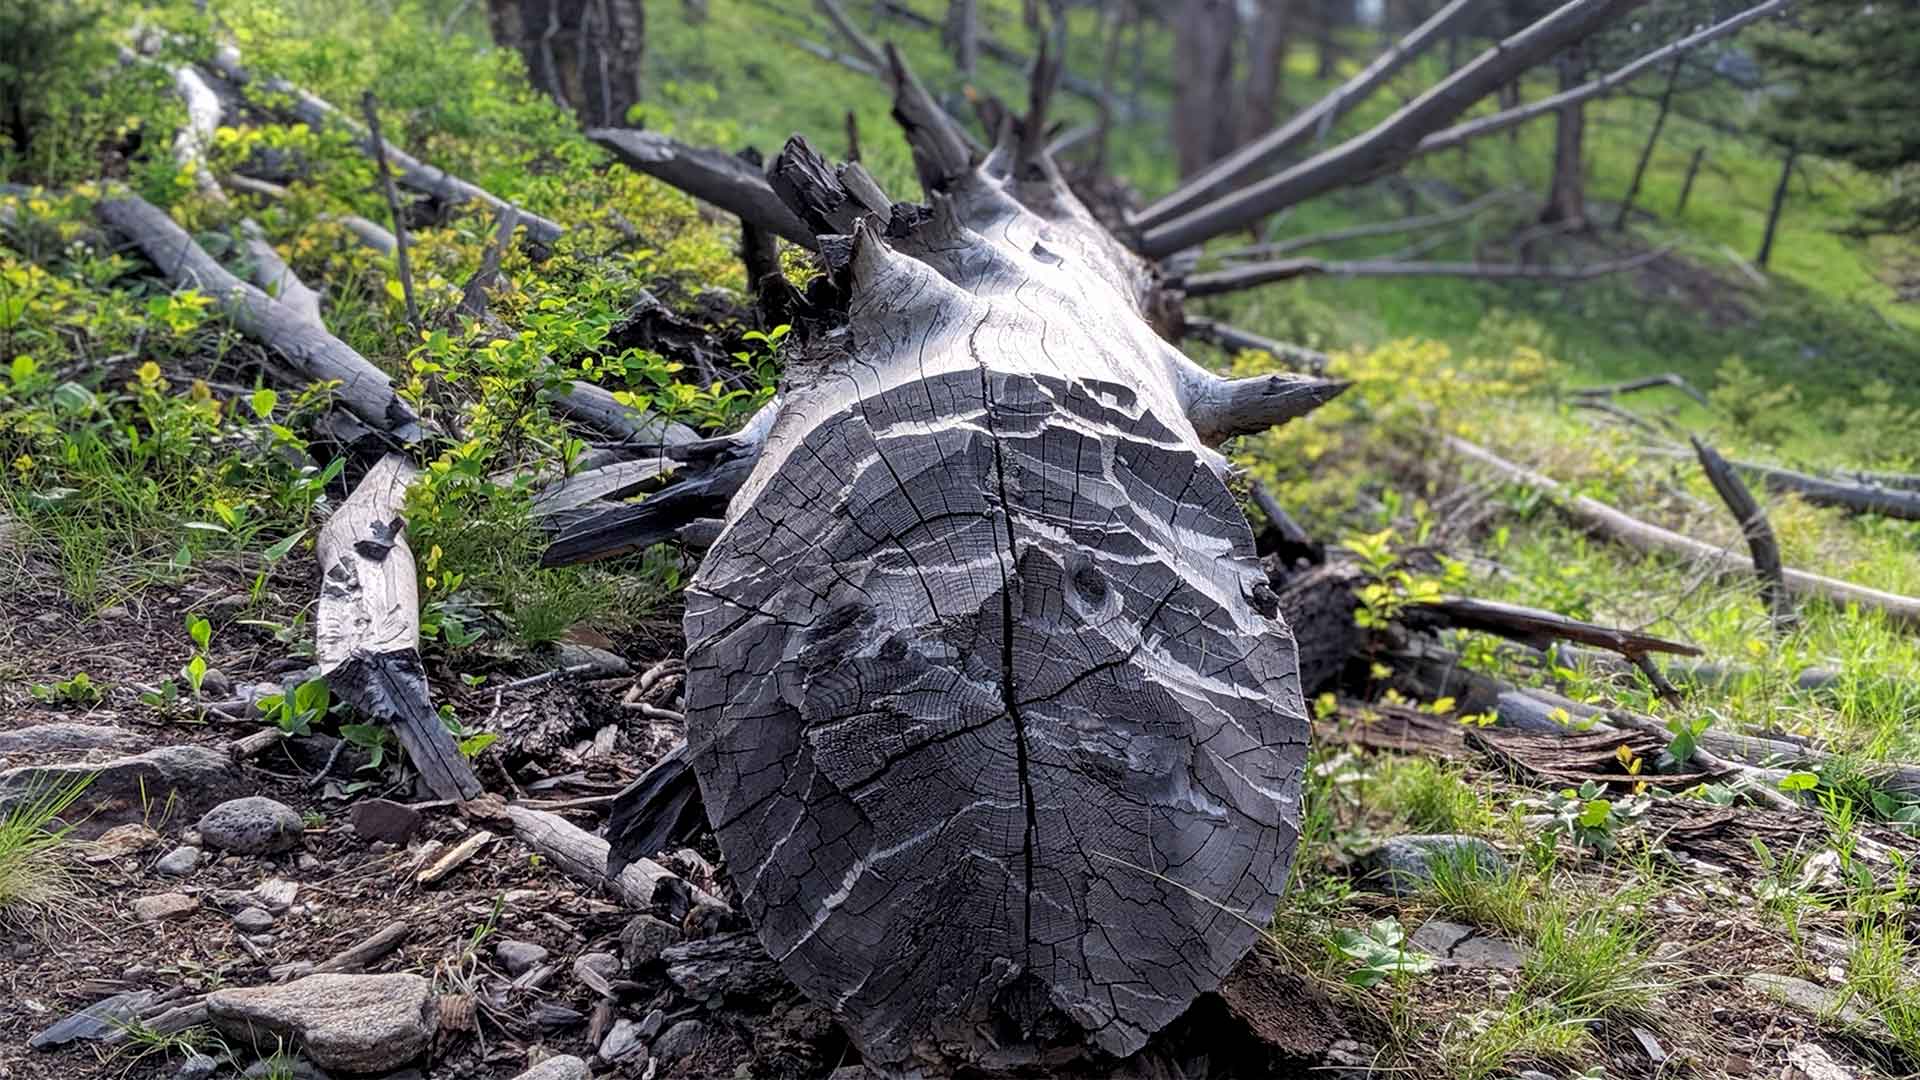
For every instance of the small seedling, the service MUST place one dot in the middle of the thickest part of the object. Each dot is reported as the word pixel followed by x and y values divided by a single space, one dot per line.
pixel 1379 951
pixel 78 690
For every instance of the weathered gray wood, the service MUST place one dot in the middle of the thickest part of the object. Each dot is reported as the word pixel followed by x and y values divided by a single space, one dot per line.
pixel 1313 121
pixel 1253 275
pixel 191 142
pixel 1461 134
pixel 411 172
pixel 1226 408
pixel 983 672
pixel 714 471
pixel 276 278
pixel 596 407
pixel 1533 625
pixel 612 481
pixel 720 178
pixel 1234 339
pixel 1862 493
pixel 1393 141
pixel 367 625
pixel 1415 223
pixel 364 390
pixel 583 856
pixel 1754 525
pixel 1642 536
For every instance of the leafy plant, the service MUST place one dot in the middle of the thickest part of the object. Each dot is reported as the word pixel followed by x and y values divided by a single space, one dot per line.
pixel 1589 817
pixel 296 713
pixel 80 689
pixel 1379 951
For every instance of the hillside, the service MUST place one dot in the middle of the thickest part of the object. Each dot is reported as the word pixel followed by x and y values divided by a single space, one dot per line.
pixel 1604 875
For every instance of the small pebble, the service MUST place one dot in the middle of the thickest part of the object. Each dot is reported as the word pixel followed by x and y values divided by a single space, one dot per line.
pixel 179 862
pixel 253 920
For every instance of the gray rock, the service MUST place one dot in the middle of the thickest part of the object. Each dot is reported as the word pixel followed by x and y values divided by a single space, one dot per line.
pixel 561 1067
pixel 597 970
pixel 1809 1061
pixel 651 1024
pixel 1458 947
pixel 282 1067
pixel 62 737
pixel 384 819
pixel 95 1022
pixel 519 957
pixel 622 1042
pixel 1801 994
pixel 680 1040
pixel 216 685
pixel 275 895
pixel 198 1066
pixel 252 920
pixel 162 906
pixel 255 825
pixel 599 662
pixel 1403 864
pixel 353 1023
pixel 642 939
pixel 190 778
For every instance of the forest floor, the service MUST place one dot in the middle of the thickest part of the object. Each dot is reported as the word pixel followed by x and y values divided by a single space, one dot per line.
pixel 1609 926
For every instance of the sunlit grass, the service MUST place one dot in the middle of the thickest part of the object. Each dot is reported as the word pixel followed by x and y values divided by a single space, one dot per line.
pixel 36 875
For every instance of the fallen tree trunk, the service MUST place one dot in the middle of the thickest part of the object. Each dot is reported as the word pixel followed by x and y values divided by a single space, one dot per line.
pixel 367 626
pixel 596 407
pixel 934 665
pixel 721 179
pixel 1234 339
pixel 1251 275
pixel 1881 494
pixel 411 173
pixel 364 390
pixel 1532 625
pixel 1642 536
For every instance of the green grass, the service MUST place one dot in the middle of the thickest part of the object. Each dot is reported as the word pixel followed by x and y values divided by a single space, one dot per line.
pixel 1464 889
pixel 1429 796
pixel 36 874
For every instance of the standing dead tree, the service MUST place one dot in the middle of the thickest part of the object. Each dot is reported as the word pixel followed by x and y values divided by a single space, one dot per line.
pixel 998 719
pixel 585 54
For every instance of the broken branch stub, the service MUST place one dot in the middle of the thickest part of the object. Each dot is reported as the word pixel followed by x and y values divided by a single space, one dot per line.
pixel 983 669
pixel 367 625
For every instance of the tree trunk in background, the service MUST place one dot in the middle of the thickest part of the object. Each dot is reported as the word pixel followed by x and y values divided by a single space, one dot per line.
pixel 1326 16
pixel 1203 127
pixel 961 35
pixel 1686 186
pixel 1773 211
pixel 586 54
pixel 1567 198
pixel 1646 152
pixel 1266 68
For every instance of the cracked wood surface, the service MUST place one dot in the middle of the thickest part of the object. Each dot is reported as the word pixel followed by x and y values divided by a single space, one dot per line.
pixel 987 697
